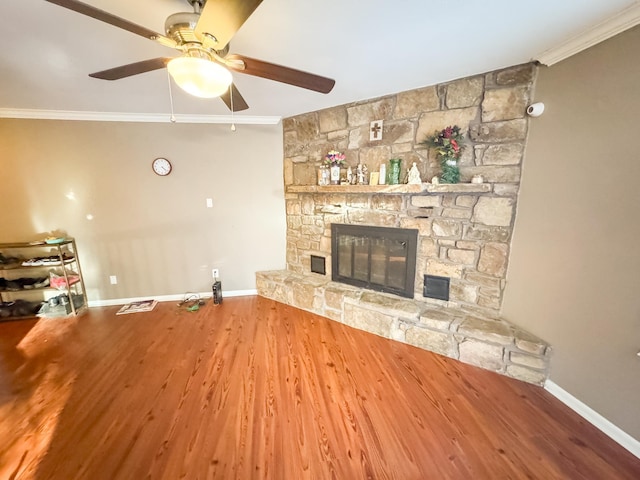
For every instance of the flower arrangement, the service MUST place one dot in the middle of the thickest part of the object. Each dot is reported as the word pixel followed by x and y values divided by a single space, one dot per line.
pixel 334 158
pixel 449 145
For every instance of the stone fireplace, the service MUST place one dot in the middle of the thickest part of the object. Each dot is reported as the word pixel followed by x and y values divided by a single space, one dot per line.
pixel 463 231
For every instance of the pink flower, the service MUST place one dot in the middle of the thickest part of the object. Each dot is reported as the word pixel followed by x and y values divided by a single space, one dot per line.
pixel 334 157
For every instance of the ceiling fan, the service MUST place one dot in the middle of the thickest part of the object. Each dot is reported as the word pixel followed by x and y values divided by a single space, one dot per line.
pixel 203 38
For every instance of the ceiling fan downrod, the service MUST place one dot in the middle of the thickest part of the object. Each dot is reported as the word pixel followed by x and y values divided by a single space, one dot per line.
pixel 197 5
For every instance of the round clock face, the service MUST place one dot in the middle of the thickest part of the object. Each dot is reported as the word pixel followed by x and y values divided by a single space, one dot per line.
pixel 161 166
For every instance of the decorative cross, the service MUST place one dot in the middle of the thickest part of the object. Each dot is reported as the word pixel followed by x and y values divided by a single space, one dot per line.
pixel 375 131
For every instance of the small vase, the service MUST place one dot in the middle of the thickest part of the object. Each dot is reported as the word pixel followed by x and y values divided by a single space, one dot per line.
pixel 394 171
pixel 335 174
pixel 450 170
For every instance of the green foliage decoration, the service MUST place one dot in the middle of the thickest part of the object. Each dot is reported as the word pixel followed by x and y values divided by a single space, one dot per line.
pixel 448 143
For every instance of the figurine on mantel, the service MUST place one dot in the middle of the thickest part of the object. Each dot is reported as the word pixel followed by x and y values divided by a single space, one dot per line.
pixel 362 174
pixel 414 175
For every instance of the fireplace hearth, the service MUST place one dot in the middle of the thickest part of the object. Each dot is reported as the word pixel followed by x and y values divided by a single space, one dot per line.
pixel 376 258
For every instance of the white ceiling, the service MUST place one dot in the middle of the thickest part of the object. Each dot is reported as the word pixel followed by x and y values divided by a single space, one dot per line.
pixel 371 48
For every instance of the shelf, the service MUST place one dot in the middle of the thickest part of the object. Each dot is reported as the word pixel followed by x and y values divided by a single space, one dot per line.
pixel 391 189
pixel 22 290
pixel 423 188
pixel 19 309
pixel 37 289
pixel 24 317
pixel 34 245
pixel 19 266
pixel 60 311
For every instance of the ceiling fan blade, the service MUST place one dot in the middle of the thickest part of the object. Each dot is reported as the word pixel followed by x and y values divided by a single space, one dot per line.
pixel 106 17
pixel 221 19
pixel 239 103
pixel 279 73
pixel 131 69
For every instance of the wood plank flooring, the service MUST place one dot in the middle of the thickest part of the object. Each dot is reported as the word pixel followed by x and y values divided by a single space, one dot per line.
pixel 256 389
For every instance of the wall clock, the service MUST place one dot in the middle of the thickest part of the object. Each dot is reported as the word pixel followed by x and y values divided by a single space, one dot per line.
pixel 161 166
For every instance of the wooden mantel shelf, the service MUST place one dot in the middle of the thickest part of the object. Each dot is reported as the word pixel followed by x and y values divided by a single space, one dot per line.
pixel 423 188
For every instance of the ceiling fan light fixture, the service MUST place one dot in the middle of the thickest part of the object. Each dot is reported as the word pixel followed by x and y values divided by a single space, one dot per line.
pixel 200 77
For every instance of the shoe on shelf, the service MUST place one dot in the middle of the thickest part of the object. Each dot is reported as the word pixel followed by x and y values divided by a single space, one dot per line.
pixel 42 282
pixel 14 285
pixel 33 262
pixel 8 260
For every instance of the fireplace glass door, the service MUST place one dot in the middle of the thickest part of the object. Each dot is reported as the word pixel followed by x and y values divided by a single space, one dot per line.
pixel 378 258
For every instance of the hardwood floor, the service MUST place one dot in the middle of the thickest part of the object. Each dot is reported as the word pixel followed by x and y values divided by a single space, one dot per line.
pixel 256 389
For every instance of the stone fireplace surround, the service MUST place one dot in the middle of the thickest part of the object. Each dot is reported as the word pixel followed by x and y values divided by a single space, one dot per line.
pixel 464 230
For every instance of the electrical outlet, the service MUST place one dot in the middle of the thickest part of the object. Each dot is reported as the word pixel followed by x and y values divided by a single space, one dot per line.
pixel 113 279
pixel 209 202
pixel 215 272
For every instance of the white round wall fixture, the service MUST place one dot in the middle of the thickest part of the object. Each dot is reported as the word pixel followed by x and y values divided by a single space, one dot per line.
pixel 535 109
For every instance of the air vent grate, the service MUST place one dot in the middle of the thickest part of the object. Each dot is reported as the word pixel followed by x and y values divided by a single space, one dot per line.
pixel 318 265
pixel 436 287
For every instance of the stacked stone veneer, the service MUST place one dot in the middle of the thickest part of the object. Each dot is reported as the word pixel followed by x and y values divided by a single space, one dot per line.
pixel 464 236
pixel 473 338
pixel 464 231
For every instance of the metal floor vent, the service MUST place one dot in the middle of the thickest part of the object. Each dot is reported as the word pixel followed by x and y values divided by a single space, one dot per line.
pixel 318 265
pixel 436 287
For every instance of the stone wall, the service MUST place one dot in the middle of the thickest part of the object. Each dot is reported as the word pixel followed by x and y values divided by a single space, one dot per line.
pixel 463 234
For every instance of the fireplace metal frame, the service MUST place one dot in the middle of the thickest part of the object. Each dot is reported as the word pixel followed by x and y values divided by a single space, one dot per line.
pixel 410 236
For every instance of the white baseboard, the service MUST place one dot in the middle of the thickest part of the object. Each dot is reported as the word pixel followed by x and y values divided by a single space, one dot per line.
pixel 167 298
pixel 593 417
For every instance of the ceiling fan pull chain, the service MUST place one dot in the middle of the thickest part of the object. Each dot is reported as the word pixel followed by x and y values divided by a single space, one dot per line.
pixel 172 117
pixel 233 125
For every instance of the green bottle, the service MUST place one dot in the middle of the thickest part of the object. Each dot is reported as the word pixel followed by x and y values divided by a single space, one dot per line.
pixel 394 171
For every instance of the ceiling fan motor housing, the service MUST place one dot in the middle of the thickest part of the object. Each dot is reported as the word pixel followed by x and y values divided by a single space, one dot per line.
pixel 180 27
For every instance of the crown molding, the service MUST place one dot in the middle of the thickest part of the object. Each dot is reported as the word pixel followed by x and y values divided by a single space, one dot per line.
pixel 135 117
pixel 618 23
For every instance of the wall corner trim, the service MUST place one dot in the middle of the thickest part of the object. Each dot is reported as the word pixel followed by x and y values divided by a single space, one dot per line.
pixel 618 23
pixel 135 117
pixel 593 417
